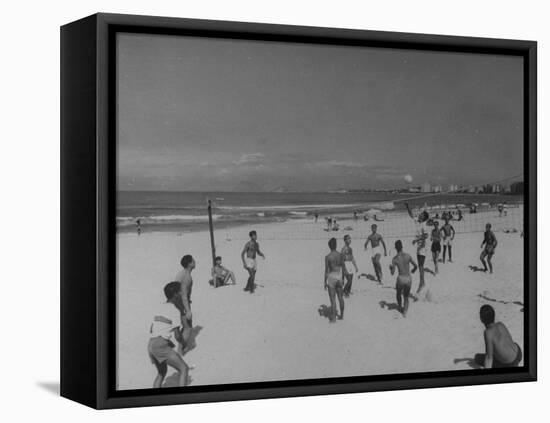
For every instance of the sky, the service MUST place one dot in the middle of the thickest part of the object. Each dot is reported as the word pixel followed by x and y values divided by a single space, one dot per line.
pixel 205 114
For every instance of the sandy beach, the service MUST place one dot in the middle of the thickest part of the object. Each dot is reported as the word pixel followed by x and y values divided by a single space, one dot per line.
pixel 279 333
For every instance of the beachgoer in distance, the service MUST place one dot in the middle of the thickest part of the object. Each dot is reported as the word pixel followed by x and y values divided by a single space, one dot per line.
pixel 376 240
pixel 251 249
pixel 138 224
pixel 435 238
pixel 420 241
pixel 316 217
pixel 220 274
pixel 350 267
pixel 333 281
pixel 403 283
pixel 500 348
pixel 186 280
pixel 490 243
pixel 448 233
pixel 165 332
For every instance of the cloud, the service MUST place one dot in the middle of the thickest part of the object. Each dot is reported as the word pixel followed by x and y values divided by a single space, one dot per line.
pixel 250 159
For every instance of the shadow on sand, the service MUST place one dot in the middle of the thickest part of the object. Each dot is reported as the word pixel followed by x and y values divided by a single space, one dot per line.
pixel 476 362
pixel 477 269
pixel 324 311
pixel 388 306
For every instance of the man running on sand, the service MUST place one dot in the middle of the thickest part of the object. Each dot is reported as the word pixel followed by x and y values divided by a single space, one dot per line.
pixel 186 280
pixel 333 280
pixel 436 244
pixel 251 249
pixel 500 348
pixel 165 332
pixel 448 233
pixel 490 243
pixel 404 279
pixel 375 240
pixel 350 267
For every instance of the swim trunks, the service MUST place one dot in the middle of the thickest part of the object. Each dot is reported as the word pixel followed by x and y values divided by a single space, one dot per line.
pixel 334 279
pixel 448 241
pixel 159 349
pixel 250 263
pixel 376 250
pixel 349 268
pixel 497 364
pixel 436 247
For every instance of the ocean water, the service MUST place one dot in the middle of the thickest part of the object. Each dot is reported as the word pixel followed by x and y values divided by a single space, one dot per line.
pixel 185 211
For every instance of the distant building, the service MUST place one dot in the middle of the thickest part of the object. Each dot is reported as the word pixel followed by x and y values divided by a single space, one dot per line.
pixel 471 189
pixel 497 189
pixel 453 188
pixel 426 187
pixel 437 188
pixel 415 189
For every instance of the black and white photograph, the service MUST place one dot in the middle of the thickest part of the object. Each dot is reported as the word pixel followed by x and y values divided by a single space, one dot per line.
pixel 295 211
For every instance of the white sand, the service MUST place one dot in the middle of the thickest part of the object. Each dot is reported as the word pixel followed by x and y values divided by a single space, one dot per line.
pixel 278 334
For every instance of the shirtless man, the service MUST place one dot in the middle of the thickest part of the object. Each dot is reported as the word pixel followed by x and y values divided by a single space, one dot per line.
pixel 448 233
pixel 221 275
pixel 350 267
pixel 375 240
pixel 251 249
pixel 420 241
pixel 500 349
pixel 436 244
pixel 404 280
pixel 333 280
pixel 490 243
pixel 186 280
pixel 165 331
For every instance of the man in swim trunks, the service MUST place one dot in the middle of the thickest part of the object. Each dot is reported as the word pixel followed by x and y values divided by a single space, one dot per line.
pixel 448 233
pixel 186 280
pixel 404 279
pixel 333 280
pixel 490 243
pixel 420 241
pixel 221 275
pixel 165 332
pixel 436 244
pixel 251 249
pixel 500 349
pixel 350 267
pixel 375 240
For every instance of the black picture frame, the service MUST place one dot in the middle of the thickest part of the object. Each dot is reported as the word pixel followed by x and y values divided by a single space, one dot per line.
pixel 88 126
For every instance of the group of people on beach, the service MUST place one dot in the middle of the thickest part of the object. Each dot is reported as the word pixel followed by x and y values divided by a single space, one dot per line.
pixel 172 324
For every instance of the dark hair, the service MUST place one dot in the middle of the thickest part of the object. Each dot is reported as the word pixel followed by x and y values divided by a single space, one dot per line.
pixel 186 260
pixel 398 245
pixel 347 236
pixel 218 258
pixel 171 289
pixel 489 225
pixel 374 225
pixel 251 233
pixel 487 314
pixel 332 243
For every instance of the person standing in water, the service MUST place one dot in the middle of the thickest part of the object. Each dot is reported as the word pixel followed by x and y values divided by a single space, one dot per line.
pixel 333 281
pixel 350 267
pixel 251 249
pixel 403 283
pixel 376 241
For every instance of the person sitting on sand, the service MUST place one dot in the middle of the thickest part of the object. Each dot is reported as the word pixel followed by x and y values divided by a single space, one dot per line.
pixel 186 280
pixel 436 245
pixel 333 280
pixel 335 225
pixel 490 243
pixel 500 349
pixel 350 267
pixel 221 275
pixel 165 332
pixel 376 240
pixel 251 249
pixel 404 279
pixel 448 233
